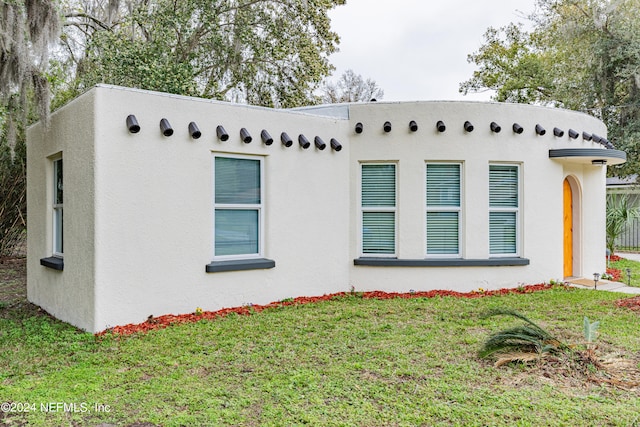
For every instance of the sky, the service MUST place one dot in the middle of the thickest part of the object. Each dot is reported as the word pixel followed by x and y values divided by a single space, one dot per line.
pixel 417 49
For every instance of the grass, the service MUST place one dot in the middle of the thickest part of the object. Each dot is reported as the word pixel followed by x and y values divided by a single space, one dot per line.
pixel 634 266
pixel 346 362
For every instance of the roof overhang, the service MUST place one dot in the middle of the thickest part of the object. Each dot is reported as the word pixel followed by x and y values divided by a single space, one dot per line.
pixel 589 156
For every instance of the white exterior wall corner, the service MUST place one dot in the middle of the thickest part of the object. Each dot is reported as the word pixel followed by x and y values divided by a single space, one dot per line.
pixel 69 294
pixel 541 189
pixel 154 205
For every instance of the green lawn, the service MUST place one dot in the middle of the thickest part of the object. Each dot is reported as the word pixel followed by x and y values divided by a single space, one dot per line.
pixel 634 277
pixel 346 362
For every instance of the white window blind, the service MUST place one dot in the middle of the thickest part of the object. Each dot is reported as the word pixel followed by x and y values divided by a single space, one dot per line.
pixel 503 209
pixel 238 206
pixel 378 209
pixel 443 183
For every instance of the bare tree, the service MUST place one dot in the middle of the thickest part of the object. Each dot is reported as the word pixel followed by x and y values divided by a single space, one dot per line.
pixel 350 87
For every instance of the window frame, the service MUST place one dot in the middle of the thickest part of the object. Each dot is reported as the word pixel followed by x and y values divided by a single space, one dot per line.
pixel 505 209
pixel 379 209
pixel 57 208
pixel 259 207
pixel 444 208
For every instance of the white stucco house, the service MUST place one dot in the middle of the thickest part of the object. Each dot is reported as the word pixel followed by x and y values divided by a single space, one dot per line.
pixel 143 203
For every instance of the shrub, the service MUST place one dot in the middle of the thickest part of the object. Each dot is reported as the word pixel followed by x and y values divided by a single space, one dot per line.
pixel 13 200
pixel 524 342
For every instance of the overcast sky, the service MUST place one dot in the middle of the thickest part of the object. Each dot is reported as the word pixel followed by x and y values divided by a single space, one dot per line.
pixel 417 49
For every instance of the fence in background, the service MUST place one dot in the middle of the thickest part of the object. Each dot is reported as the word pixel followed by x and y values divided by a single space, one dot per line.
pixel 630 239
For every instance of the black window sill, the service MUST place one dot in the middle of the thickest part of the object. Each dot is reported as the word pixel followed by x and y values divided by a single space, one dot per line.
pixel 240 265
pixel 53 262
pixel 441 262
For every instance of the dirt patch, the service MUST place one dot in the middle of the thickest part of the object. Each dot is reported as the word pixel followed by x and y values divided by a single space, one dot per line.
pixel 574 373
pixel 13 290
pixel 13 281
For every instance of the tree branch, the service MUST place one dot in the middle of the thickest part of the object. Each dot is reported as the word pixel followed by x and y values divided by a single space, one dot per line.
pixel 88 17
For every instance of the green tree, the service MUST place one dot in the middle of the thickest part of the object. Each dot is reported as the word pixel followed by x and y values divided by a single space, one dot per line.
pixel 580 54
pixel 512 66
pixel 27 29
pixel 262 52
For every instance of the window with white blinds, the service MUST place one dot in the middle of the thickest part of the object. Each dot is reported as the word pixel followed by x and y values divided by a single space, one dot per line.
pixel 238 207
pixel 378 191
pixel 443 184
pixel 504 208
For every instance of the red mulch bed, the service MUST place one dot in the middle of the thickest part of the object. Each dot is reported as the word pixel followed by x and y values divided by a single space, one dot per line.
pixel 162 322
pixel 630 303
pixel 616 274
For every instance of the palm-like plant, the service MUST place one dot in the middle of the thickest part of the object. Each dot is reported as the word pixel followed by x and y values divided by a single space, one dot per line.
pixel 619 212
pixel 524 342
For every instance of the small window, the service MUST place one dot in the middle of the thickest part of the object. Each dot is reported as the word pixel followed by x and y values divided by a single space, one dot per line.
pixel 58 207
pixel 443 209
pixel 378 209
pixel 504 210
pixel 238 207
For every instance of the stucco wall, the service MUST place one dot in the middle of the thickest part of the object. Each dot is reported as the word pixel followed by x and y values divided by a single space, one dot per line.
pixel 594 213
pixel 541 189
pixel 139 207
pixel 154 203
pixel 68 294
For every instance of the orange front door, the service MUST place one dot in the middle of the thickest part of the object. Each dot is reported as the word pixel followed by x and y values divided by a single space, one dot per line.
pixel 568 229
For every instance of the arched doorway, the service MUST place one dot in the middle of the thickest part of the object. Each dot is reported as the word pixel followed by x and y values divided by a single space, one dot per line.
pixel 567 213
pixel 571 227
